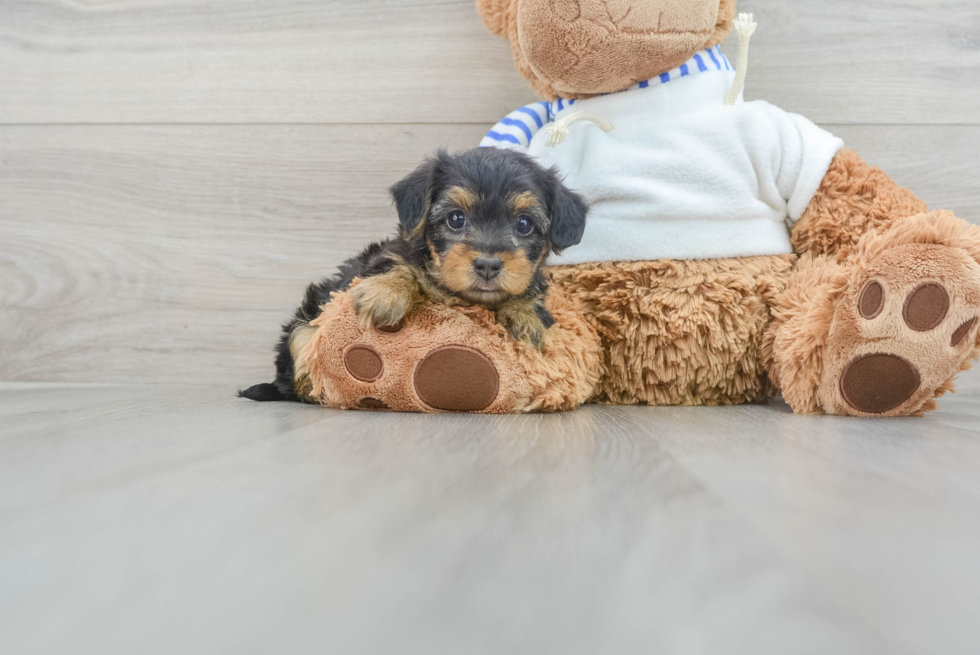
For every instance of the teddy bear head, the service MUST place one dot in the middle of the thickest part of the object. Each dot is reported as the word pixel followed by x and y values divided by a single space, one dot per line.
pixel 582 48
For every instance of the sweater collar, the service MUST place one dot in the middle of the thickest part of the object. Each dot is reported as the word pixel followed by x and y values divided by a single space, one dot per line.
pixel 706 61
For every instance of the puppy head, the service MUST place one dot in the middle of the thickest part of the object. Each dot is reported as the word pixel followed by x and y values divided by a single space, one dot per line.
pixel 488 219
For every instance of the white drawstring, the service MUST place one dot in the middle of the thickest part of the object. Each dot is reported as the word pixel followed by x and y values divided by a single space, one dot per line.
pixel 745 26
pixel 558 131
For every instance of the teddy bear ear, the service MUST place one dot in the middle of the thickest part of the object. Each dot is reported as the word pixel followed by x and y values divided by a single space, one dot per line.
pixel 723 26
pixel 496 14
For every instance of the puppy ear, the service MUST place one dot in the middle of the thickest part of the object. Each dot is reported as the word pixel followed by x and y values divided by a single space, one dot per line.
pixel 568 213
pixel 413 195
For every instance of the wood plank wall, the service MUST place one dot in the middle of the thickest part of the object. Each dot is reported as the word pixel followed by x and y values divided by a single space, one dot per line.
pixel 173 173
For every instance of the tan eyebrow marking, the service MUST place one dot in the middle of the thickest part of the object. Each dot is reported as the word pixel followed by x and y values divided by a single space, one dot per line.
pixel 464 198
pixel 524 201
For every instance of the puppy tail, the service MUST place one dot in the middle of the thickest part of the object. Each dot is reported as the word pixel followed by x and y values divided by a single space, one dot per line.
pixel 263 392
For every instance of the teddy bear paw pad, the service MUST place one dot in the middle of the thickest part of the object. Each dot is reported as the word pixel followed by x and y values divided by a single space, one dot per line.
pixel 961 332
pixel 897 337
pixel 879 382
pixel 391 329
pixel 926 307
pixel 363 363
pixel 456 379
pixel 372 403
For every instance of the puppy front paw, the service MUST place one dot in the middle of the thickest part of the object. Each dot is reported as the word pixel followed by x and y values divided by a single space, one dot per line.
pixel 524 321
pixel 384 300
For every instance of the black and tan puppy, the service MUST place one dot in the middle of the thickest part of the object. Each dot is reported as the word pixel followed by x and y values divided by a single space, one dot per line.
pixel 474 228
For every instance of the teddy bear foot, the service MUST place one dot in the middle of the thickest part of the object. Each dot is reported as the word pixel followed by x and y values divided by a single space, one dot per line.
pixel 447 359
pixel 901 330
pixel 418 365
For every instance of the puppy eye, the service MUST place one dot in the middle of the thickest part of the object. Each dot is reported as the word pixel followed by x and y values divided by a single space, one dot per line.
pixel 456 220
pixel 523 226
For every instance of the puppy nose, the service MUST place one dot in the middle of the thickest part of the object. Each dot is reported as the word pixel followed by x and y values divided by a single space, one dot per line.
pixel 488 267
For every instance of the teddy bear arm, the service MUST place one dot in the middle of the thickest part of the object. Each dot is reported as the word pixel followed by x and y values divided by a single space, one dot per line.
pixel 852 199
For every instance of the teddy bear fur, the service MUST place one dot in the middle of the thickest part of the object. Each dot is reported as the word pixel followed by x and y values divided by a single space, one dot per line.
pixel 703 332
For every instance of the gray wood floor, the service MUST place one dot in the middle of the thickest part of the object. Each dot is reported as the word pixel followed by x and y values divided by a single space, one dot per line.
pixel 140 519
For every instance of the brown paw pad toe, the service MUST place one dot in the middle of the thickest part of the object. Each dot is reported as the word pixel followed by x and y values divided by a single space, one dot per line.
pixel 962 331
pixel 363 363
pixel 926 307
pixel 878 383
pixel 872 300
pixel 391 329
pixel 372 403
pixel 456 379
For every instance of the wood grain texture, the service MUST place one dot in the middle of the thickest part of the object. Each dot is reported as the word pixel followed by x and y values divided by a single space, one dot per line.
pixel 840 498
pixel 262 61
pixel 161 520
pixel 171 254
pixel 432 61
pixel 843 62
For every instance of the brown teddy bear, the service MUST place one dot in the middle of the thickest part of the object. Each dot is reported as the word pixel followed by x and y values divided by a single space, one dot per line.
pixel 733 250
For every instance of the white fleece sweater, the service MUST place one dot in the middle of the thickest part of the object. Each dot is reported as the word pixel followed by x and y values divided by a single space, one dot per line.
pixel 680 175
